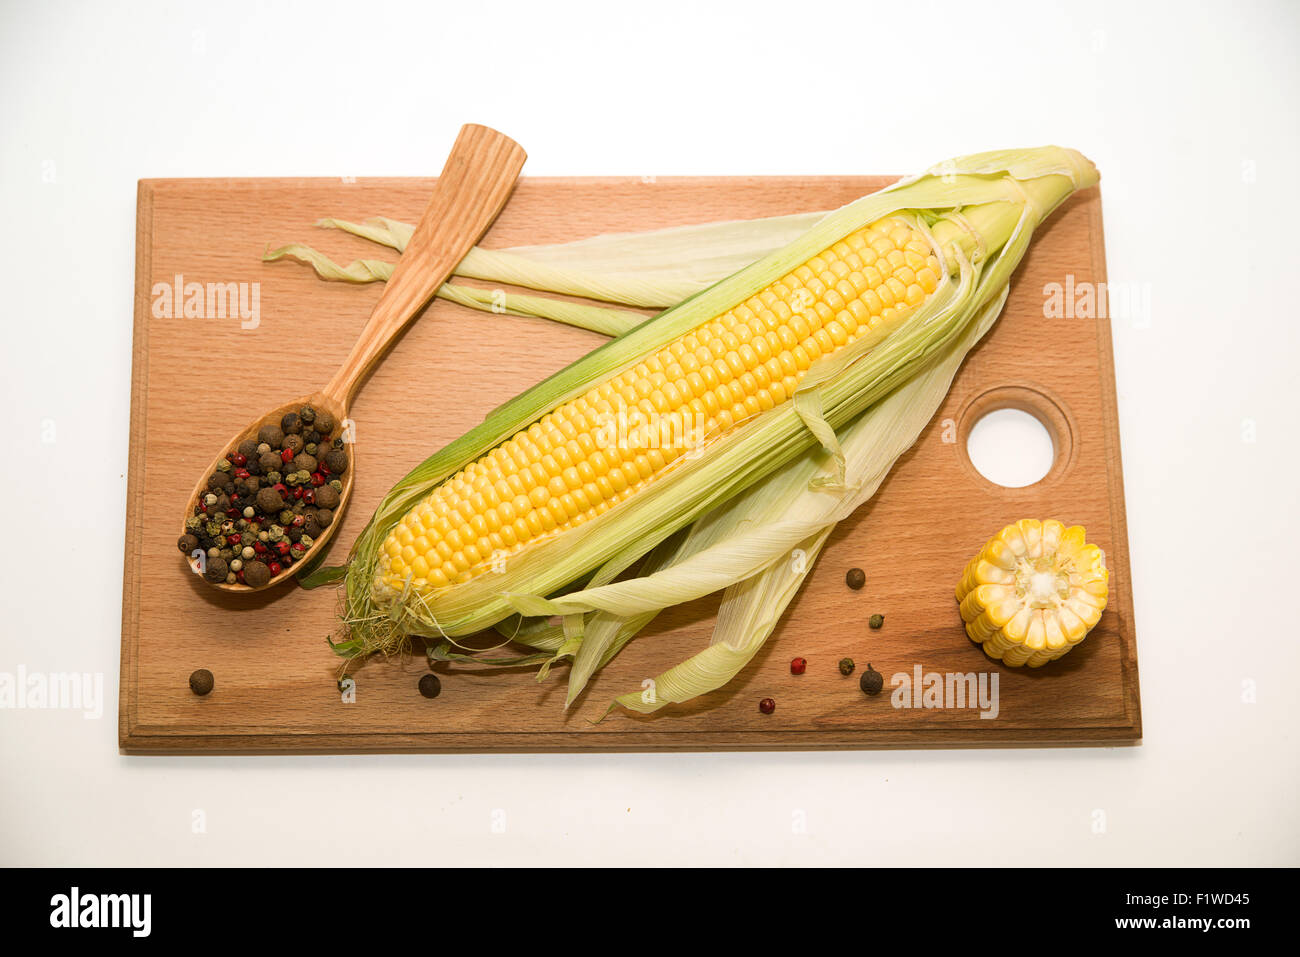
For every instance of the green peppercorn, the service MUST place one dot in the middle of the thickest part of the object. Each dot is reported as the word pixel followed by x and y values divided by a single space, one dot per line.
pixel 286 516
pixel 855 578
pixel 336 484
pixel 875 621
pixel 310 448
pixel 871 681
pixel 224 465
pixel 846 666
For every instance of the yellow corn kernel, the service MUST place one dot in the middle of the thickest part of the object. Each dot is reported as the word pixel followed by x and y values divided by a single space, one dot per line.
pixel 562 470
pixel 1033 592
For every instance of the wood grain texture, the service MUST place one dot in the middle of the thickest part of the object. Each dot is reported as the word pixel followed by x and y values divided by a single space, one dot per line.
pixel 275 676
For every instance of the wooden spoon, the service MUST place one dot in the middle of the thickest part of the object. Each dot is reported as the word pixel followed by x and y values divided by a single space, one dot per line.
pixel 474 185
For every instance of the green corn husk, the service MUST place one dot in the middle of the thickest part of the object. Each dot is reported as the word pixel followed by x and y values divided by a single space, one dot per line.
pixel 1002 197
pixel 651 270
pixel 752 606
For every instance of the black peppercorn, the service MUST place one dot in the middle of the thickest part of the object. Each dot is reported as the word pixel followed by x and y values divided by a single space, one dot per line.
pixel 875 621
pixel 871 681
pixel 308 415
pixel 855 578
pixel 201 682
pixel 218 482
pixel 290 424
pixel 430 685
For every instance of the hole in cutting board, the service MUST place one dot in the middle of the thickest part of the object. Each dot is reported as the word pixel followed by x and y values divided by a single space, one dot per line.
pixel 1011 447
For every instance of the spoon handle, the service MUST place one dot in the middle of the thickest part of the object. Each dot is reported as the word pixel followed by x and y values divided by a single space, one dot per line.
pixel 475 184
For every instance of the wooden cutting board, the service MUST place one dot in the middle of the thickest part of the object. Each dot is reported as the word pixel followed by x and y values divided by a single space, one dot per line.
pixel 195 379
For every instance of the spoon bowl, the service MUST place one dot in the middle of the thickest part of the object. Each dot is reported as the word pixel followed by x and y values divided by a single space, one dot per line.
pixel 318 400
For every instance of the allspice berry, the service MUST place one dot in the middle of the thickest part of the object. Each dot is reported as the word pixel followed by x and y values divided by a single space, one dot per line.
pixel 219 482
pixel 855 578
pixel 336 460
pixel 871 681
pixel 430 685
pixel 216 571
pixel 187 543
pixel 304 463
pixel 293 443
pixel 248 449
pixel 269 501
pixel 269 461
pixel 324 423
pixel 290 424
pixel 308 415
pixel 324 517
pixel 256 574
pixel 271 435
pixel 201 682
pixel 326 497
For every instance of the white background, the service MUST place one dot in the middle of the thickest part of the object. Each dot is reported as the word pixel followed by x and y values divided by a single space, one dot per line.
pixel 1187 109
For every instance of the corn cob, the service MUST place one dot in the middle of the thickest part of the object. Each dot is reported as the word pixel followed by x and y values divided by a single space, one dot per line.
pixel 564 470
pixel 1033 592
pixel 797 346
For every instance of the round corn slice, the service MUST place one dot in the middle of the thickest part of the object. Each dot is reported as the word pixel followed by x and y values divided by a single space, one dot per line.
pixel 1033 592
